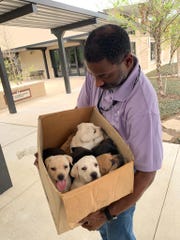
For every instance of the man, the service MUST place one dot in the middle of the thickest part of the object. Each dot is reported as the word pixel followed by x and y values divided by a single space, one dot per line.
pixel 126 98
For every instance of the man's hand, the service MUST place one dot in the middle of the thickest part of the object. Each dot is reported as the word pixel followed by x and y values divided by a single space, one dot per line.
pixel 94 221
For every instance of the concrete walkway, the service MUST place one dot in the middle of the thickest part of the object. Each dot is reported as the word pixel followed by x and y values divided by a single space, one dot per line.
pixel 24 212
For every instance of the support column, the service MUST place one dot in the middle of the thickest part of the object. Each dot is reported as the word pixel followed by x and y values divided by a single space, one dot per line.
pixel 59 34
pixel 45 62
pixel 5 180
pixel 76 61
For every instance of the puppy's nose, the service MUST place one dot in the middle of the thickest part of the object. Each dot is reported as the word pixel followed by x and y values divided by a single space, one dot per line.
pixel 60 177
pixel 94 175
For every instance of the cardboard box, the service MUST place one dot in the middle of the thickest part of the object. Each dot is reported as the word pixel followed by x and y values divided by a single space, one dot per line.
pixel 69 208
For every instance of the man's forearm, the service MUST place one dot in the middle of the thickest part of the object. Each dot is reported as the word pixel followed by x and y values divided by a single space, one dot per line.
pixel 142 180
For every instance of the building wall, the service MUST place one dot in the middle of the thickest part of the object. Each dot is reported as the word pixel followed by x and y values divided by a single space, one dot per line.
pixel 14 37
pixel 32 60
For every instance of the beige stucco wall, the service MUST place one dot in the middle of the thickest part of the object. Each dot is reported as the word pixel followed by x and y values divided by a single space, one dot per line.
pixel 143 51
pixel 14 37
pixel 31 61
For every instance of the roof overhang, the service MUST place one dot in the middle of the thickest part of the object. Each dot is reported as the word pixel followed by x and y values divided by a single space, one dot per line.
pixel 48 14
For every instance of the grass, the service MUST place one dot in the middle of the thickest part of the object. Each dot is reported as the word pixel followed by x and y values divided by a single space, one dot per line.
pixel 170 104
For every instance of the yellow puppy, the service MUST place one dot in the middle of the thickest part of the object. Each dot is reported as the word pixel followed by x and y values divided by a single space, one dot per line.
pixel 108 162
pixel 58 168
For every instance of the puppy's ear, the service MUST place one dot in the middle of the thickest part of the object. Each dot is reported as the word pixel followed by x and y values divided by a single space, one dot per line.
pixel 47 162
pixel 69 159
pixel 74 171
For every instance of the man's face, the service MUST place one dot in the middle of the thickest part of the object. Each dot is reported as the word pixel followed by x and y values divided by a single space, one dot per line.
pixel 106 74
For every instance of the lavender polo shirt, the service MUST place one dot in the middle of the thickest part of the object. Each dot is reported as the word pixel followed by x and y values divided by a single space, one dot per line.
pixel 135 116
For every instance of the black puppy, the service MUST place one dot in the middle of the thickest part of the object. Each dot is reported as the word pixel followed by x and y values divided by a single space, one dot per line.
pixel 106 146
pixel 79 152
pixel 52 152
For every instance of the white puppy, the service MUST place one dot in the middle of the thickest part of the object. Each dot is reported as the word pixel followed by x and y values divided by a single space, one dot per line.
pixel 58 168
pixel 85 171
pixel 88 136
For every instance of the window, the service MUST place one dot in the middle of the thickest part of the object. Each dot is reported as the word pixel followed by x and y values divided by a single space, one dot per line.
pixel 152 49
pixel 133 48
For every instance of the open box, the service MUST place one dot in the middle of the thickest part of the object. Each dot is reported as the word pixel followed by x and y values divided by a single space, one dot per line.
pixel 69 208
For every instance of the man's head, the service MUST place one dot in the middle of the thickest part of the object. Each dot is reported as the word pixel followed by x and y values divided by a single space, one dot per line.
pixel 108 55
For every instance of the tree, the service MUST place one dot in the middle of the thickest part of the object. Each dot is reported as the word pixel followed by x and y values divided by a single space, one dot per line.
pixel 155 17
pixel 13 66
pixel 11 60
pixel 173 37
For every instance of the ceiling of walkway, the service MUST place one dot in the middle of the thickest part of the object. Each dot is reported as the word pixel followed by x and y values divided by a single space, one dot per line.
pixel 48 15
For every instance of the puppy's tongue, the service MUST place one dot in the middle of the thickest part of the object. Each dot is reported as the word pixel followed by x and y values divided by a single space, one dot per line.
pixel 61 185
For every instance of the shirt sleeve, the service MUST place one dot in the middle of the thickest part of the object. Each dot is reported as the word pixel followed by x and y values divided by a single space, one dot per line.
pixel 85 95
pixel 83 98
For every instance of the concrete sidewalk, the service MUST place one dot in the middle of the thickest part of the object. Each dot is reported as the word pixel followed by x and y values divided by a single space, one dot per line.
pixel 24 211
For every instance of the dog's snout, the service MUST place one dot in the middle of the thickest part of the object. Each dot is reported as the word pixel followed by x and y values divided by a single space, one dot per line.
pixel 94 175
pixel 60 177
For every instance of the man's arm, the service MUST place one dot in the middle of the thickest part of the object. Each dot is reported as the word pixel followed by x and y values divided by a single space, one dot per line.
pixel 142 180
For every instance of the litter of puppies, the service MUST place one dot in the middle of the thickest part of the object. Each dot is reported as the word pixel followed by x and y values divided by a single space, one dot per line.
pixel 86 155
pixel 68 208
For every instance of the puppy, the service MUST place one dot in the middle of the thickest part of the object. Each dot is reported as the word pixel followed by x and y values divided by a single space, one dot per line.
pixel 52 152
pixel 87 135
pixel 85 171
pixel 79 152
pixel 106 146
pixel 58 168
pixel 108 162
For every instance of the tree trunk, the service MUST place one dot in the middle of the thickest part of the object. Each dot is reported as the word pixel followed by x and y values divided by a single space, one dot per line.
pixel 158 63
pixel 178 62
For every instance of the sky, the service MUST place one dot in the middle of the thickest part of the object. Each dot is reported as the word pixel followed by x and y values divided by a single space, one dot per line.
pixel 93 5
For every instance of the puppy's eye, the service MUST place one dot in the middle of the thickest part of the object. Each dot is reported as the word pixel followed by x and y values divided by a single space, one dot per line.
pixel 53 169
pixel 84 168
pixel 65 166
pixel 95 164
pixel 94 130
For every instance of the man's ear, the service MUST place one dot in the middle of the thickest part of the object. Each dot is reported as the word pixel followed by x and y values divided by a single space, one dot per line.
pixel 128 60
